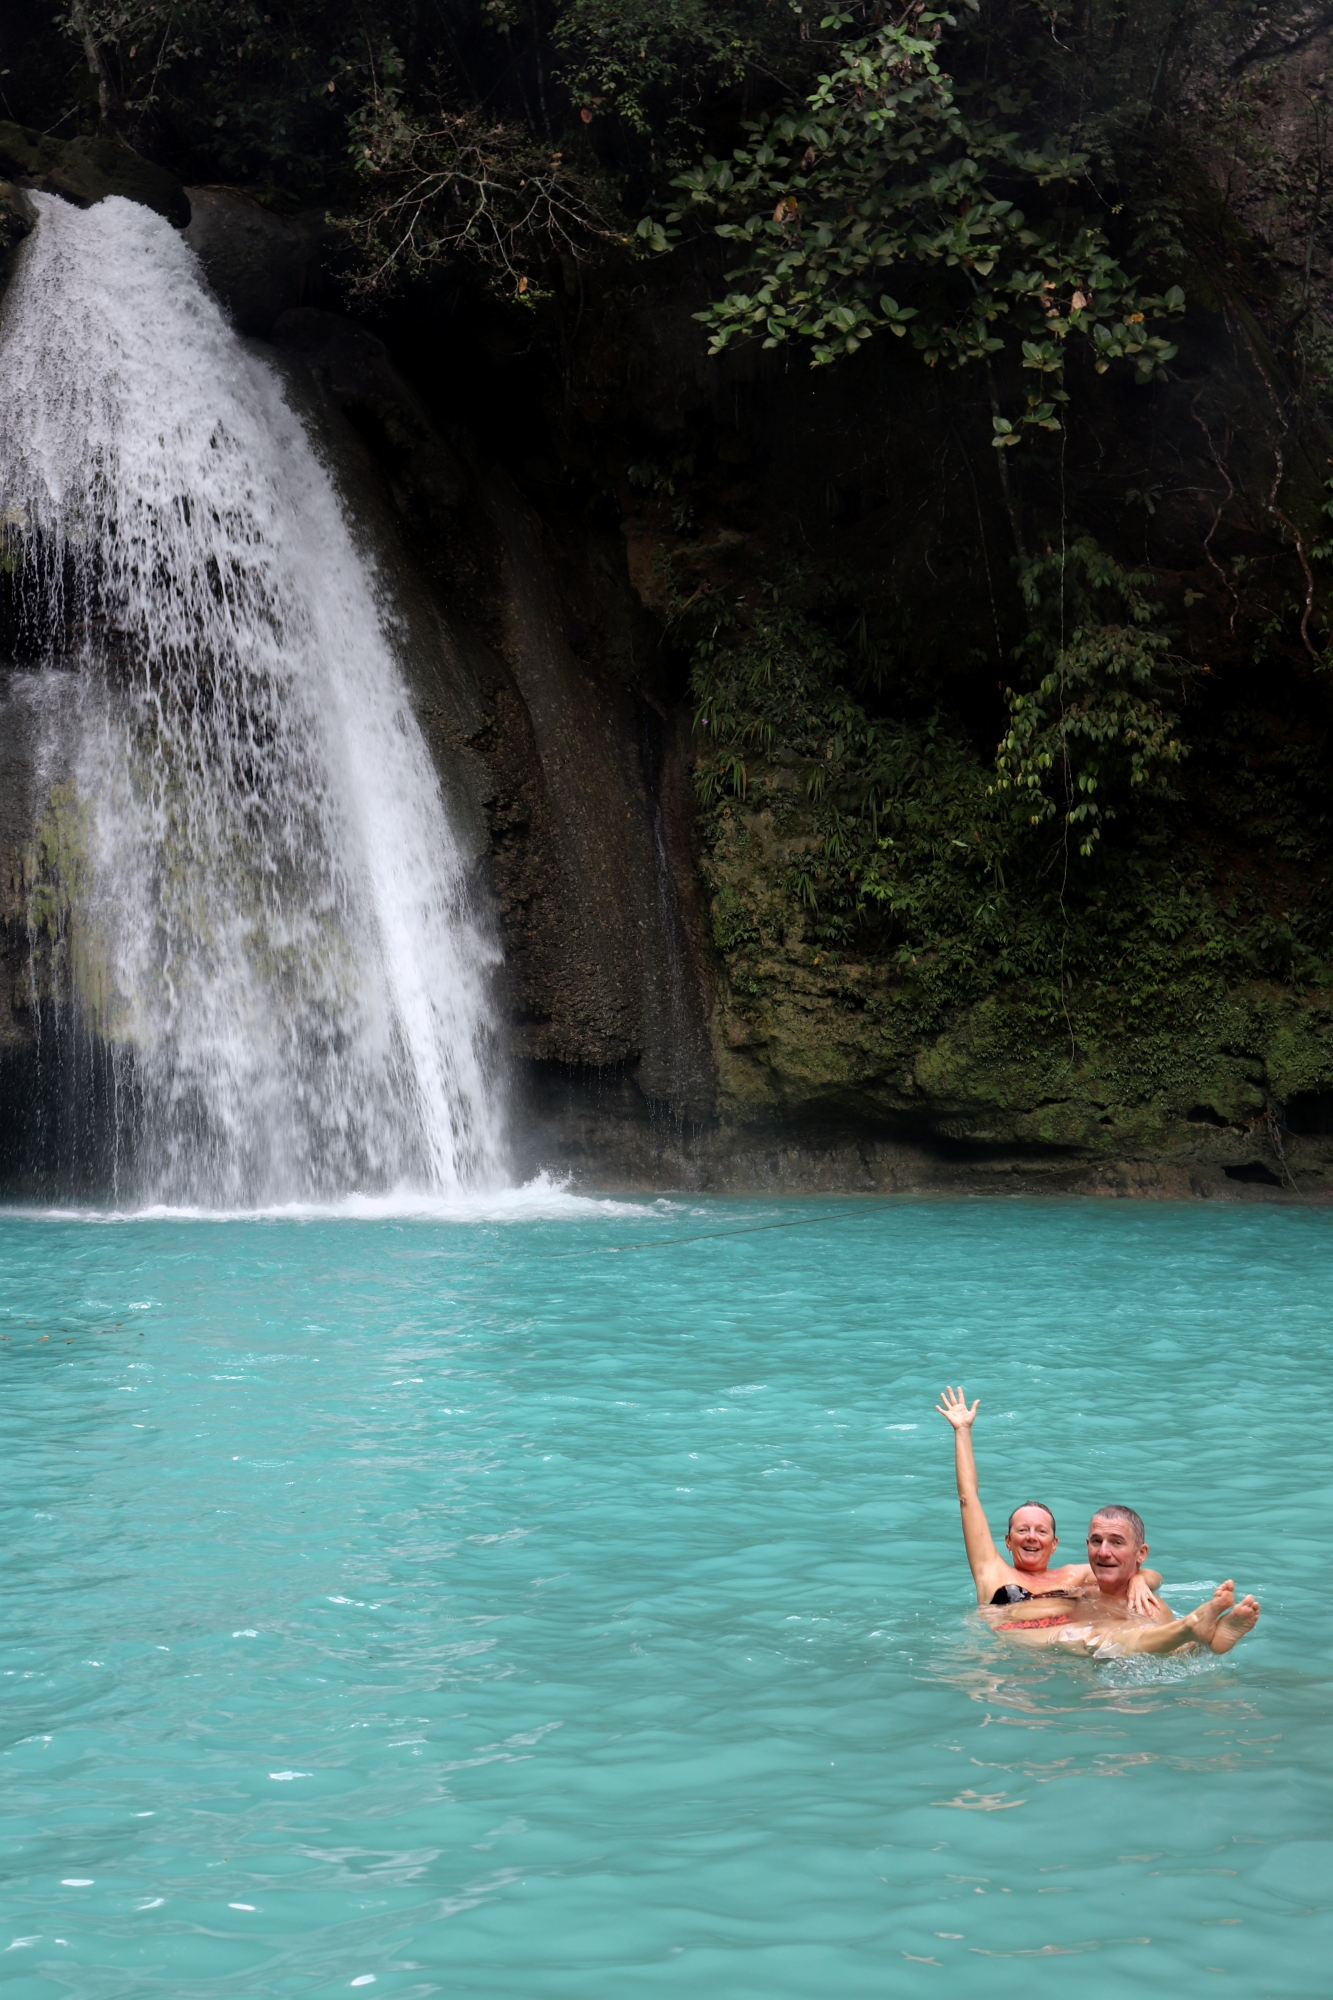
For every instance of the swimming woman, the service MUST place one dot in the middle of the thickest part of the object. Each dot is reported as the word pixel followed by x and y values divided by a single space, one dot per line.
pixel 1030 1538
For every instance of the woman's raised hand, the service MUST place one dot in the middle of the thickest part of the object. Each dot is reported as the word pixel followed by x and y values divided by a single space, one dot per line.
pixel 955 1411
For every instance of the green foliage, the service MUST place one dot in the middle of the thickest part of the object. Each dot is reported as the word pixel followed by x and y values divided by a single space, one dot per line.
pixel 885 841
pixel 1093 733
pixel 1322 551
pixel 886 176
pixel 492 131
pixel 1090 730
pixel 651 69
pixel 772 685
pixel 276 89
pixel 246 89
pixel 891 841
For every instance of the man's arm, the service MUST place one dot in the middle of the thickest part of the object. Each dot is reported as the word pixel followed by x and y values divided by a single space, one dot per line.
pixel 988 1566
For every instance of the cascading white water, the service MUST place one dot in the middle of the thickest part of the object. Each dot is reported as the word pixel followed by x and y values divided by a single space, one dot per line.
pixel 272 898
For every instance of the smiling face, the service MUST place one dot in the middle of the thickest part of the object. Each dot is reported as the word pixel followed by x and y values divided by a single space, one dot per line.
pixel 1114 1551
pixel 1031 1539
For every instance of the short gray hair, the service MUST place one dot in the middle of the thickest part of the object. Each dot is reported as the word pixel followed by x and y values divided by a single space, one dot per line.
pixel 1123 1514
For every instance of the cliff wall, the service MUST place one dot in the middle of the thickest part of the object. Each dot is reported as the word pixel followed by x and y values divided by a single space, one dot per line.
pixel 677 1009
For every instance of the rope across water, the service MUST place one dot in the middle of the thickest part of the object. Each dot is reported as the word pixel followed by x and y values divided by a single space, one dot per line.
pixel 704 1236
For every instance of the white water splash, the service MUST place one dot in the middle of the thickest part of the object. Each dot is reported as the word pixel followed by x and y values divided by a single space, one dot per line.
pixel 277 937
pixel 542 1199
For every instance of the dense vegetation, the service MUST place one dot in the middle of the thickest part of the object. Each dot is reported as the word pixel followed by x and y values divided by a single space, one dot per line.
pixel 1071 742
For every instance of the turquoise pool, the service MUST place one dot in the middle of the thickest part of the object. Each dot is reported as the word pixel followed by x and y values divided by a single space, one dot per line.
pixel 535 1602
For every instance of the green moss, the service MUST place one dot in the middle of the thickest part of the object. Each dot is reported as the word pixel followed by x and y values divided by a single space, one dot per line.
pixel 973 1001
pixel 70 956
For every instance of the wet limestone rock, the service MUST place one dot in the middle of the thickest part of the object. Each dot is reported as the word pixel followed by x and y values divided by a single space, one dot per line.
pixel 16 219
pixel 88 169
pixel 353 366
pixel 259 264
pixel 1229 1092
pixel 589 864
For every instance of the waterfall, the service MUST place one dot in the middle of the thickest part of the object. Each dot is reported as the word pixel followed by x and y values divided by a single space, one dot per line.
pixel 269 910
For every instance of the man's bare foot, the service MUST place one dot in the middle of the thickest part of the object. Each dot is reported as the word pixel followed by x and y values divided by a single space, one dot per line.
pixel 1236 1623
pixel 1205 1619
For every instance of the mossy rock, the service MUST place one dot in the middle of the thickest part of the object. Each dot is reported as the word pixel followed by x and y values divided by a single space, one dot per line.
pixel 86 170
pixel 16 219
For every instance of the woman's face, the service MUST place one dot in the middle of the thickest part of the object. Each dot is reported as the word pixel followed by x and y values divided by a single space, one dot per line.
pixel 1031 1539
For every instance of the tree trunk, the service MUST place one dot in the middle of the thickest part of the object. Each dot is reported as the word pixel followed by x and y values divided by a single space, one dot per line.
pixel 105 91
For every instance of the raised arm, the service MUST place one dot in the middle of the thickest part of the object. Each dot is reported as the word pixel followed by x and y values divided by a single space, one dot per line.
pixel 989 1570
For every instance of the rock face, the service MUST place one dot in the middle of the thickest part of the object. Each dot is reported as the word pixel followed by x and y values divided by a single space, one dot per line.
pixel 86 170
pixel 584 789
pixel 670 1022
pixel 16 219
pixel 259 264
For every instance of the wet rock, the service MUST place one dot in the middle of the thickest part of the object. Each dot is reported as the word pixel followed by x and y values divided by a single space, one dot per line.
pixel 590 860
pixel 16 219
pixel 88 169
pixel 259 264
pixel 353 366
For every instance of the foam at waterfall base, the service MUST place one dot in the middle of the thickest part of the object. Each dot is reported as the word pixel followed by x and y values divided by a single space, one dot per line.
pixel 542 1199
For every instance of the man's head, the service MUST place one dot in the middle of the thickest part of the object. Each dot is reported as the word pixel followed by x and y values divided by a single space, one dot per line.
pixel 1116 1547
pixel 1031 1537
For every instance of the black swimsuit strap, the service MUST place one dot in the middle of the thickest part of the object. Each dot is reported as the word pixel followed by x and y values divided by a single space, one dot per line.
pixel 1014 1593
